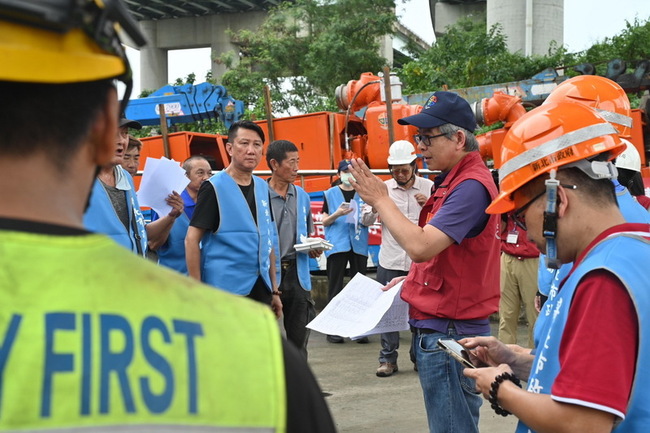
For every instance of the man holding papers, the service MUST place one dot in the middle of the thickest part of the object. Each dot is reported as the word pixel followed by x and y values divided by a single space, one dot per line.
pixel 453 285
pixel 292 214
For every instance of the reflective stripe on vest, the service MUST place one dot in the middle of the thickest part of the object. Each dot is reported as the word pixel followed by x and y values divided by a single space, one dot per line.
pixel 100 341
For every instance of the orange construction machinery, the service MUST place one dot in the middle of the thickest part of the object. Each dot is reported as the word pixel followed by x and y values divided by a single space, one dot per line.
pixel 364 128
pixel 507 109
pixel 367 125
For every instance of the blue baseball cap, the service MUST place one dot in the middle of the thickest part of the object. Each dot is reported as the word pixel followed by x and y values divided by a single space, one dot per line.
pixel 441 108
pixel 344 165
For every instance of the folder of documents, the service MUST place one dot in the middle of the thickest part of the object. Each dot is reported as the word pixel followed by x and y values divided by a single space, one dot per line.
pixel 308 244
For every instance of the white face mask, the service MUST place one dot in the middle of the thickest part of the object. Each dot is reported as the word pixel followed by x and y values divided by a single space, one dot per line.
pixel 345 178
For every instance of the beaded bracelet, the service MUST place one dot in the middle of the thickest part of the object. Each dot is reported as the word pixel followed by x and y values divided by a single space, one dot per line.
pixel 494 389
pixel 276 292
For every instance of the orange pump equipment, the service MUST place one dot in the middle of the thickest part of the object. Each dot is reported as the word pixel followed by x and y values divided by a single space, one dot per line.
pixel 488 111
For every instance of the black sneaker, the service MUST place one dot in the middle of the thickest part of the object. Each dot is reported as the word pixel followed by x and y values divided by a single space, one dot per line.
pixel 335 339
pixel 363 340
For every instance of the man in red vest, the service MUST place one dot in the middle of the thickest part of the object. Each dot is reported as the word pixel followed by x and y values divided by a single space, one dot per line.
pixel 453 285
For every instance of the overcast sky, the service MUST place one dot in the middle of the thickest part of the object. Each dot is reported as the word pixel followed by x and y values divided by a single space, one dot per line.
pixel 585 23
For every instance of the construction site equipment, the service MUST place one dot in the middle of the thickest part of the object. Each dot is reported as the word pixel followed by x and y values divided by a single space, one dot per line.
pixel 185 104
pixel 362 128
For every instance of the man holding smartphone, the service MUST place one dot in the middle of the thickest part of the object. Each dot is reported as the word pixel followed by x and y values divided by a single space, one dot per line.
pixel 590 373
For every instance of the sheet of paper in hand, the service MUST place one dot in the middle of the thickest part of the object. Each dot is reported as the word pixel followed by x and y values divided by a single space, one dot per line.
pixel 361 309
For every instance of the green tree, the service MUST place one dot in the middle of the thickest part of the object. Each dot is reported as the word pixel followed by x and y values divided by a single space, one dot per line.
pixel 631 45
pixel 305 49
pixel 469 55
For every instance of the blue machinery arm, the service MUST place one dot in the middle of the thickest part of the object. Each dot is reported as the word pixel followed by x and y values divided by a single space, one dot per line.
pixel 187 103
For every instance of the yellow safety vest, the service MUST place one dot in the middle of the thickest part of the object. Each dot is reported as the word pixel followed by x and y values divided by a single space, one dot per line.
pixel 95 338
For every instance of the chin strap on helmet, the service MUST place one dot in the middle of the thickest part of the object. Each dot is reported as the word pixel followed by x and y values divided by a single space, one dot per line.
pixel 550 221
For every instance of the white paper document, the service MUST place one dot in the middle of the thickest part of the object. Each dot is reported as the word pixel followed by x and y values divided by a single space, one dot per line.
pixel 362 308
pixel 308 244
pixel 159 178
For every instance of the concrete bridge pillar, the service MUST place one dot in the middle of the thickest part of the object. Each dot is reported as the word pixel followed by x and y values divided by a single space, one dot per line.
pixel 153 60
pixel 184 33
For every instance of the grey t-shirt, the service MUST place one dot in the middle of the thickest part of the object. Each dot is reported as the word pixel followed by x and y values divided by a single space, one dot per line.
pixel 285 215
pixel 118 200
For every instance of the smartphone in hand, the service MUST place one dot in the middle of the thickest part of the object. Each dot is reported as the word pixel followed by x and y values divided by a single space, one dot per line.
pixel 456 351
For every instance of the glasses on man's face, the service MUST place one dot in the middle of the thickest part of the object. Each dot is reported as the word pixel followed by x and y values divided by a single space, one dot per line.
pixel 426 139
pixel 519 216
pixel 403 171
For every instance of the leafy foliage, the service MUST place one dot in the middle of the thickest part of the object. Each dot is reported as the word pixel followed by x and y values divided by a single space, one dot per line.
pixel 631 44
pixel 471 55
pixel 305 49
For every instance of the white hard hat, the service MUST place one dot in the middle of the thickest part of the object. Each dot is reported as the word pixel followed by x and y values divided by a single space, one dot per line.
pixel 630 158
pixel 401 152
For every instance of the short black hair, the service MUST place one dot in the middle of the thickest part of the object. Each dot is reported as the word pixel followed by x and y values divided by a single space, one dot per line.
pixel 278 150
pixel 52 119
pixel 245 124
pixel 134 143
pixel 632 180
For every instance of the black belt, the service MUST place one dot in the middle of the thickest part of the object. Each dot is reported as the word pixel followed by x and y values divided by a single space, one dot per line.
pixel 450 328
pixel 285 264
pixel 422 330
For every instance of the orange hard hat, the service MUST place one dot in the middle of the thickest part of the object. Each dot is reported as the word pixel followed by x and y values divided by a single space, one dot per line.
pixel 552 136
pixel 600 93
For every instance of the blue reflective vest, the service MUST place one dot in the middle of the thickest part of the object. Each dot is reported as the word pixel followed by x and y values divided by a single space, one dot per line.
pixel 626 255
pixel 303 212
pixel 172 253
pixel 549 279
pixel 343 235
pixel 632 211
pixel 551 283
pixel 233 257
pixel 101 217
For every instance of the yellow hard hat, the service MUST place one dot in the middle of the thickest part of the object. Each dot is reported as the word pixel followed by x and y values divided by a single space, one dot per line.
pixel 65 41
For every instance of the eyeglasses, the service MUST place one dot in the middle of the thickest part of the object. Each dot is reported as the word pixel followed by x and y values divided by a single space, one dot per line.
pixel 400 170
pixel 426 139
pixel 518 216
